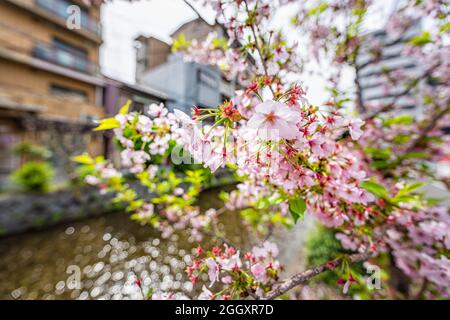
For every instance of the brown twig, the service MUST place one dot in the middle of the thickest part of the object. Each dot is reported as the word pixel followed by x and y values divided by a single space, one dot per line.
pixel 359 98
pixel 407 90
pixel 422 289
pixel 426 129
pixel 306 275
pixel 258 49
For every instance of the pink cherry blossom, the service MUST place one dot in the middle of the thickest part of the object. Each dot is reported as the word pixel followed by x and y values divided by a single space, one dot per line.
pixel 259 272
pixel 230 263
pixel 354 127
pixel 157 110
pixel 163 296
pixel 274 120
pixel 213 270
pixel 206 294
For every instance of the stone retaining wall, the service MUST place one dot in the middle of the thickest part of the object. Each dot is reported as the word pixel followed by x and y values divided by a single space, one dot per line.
pixel 22 212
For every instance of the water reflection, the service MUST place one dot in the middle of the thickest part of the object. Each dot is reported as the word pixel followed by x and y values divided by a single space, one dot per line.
pixel 109 253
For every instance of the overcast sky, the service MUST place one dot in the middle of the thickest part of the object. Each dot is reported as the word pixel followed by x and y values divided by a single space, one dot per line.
pixel 124 21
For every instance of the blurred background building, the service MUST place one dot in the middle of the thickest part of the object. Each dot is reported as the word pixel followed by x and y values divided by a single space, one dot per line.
pixel 50 81
pixel 52 89
pixel 386 55
pixel 51 86
pixel 388 58
pixel 186 84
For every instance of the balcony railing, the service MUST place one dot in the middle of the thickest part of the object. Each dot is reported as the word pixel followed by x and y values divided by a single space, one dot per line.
pixel 49 106
pixel 65 58
pixel 59 7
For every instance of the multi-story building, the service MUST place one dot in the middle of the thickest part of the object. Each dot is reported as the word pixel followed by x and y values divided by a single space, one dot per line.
pixel 50 83
pixel 184 83
pixel 376 91
pixel 390 58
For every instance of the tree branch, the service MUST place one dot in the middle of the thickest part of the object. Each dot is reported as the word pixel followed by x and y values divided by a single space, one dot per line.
pixel 258 49
pixel 359 99
pixel 422 289
pixel 407 90
pixel 306 275
pixel 425 130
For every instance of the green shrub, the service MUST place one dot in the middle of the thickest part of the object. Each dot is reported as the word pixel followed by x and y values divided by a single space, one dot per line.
pixel 34 176
pixel 32 152
pixel 322 246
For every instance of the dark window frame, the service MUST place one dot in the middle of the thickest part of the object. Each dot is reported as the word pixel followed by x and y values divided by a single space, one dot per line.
pixel 66 91
pixel 63 45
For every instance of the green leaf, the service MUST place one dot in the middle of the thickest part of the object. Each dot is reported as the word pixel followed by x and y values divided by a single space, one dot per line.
pixel 407 189
pixel 297 208
pixel 319 9
pixel 434 201
pixel 262 203
pixel 124 109
pixel 380 164
pixel 414 155
pixel 224 196
pixel 149 294
pixel 401 138
pixel 107 124
pixel 375 189
pixel 83 159
pixel 421 40
pixel 276 199
pixel 403 119
pixel 220 43
pixel 379 154
pixel 413 200
pixel 180 43
pixel 445 27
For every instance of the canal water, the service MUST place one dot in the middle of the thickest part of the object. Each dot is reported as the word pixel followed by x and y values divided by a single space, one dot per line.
pixel 108 253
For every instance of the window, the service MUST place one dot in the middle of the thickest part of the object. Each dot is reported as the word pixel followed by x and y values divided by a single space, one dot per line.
pixel 70 56
pixel 69 48
pixel 207 79
pixel 66 92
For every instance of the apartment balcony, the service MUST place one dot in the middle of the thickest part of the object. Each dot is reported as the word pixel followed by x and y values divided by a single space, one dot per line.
pixel 56 11
pixel 25 49
pixel 19 102
pixel 64 58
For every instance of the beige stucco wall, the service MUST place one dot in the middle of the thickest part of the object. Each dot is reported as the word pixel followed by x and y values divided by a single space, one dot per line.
pixel 19 29
pixel 35 81
pixel 24 87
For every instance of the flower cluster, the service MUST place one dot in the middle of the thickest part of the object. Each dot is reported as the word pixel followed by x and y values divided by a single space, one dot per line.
pixel 142 136
pixel 291 146
pixel 252 274
pixel 362 177
pixel 417 241
pixel 215 51
pixel 148 142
